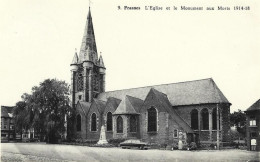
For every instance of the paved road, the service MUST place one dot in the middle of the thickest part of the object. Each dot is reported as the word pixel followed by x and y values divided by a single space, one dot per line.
pixel 47 152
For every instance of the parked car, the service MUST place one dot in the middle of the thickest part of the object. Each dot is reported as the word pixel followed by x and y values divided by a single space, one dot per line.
pixel 134 143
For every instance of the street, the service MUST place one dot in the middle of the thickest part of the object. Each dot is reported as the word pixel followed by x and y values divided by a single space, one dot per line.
pixel 49 152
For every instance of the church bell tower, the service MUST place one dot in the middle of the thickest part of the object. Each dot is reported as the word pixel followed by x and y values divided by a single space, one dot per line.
pixel 87 70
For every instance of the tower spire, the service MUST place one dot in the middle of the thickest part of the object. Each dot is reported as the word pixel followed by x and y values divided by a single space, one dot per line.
pixel 75 58
pixel 88 42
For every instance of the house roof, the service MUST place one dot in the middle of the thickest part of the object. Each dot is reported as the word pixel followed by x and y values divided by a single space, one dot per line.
pixel 183 93
pixel 255 106
pixel 7 111
pixel 129 105
pixel 163 99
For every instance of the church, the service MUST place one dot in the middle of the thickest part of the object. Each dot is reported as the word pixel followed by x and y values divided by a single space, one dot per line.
pixel 191 111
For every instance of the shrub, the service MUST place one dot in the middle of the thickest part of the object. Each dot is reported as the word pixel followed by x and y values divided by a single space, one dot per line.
pixel 193 146
pixel 212 146
pixel 185 147
pixel 175 145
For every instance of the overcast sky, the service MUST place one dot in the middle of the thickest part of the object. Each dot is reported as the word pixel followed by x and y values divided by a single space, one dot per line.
pixel 140 48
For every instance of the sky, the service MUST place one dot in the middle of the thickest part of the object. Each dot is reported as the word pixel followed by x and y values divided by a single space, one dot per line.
pixel 139 47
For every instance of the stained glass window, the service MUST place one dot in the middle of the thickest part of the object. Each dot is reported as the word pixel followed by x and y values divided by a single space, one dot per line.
pixel 133 124
pixel 109 121
pixel 93 122
pixel 194 119
pixel 152 120
pixel 119 123
pixel 205 119
pixel 78 122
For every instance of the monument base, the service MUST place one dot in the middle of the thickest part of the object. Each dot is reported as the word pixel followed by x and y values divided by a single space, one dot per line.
pixel 102 142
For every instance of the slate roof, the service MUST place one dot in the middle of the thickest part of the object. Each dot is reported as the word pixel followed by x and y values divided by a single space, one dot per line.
pixel 255 106
pixel 114 102
pixel 7 111
pixel 75 59
pixel 183 93
pixel 163 99
pixel 129 105
pixel 101 62
pixel 85 106
pixel 88 43
pixel 100 105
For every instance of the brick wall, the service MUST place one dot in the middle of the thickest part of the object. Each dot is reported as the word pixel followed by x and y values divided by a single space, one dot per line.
pixel 125 123
pixel 225 109
pixel 185 111
pixel 251 129
pixel 93 135
pixel 83 133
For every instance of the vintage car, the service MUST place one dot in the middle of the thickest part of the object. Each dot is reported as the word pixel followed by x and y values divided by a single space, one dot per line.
pixel 131 143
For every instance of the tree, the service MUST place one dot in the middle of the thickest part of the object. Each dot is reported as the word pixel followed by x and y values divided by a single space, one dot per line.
pixel 45 109
pixel 21 117
pixel 238 119
pixel 50 103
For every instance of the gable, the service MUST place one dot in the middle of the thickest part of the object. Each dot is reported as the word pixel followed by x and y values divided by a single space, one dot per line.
pixel 129 105
pixel 97 106
pixel 83 107
pixel 153 100
pixel 183 93
pixel 164 105
pixel 7 111
pixel 111 104
pixel 255 106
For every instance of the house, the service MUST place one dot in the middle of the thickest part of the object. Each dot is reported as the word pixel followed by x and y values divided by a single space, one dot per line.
pixel 160 114
pixel 253 126
pixel 7 123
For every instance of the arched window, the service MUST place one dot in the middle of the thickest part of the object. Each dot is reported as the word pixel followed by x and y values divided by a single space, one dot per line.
pixel 175 133
pixel 119 124
pixel 194 119
pixel 93 122
pixel 214 119
pixel 78 122
pixel 205 119
pixel 133 124
pixel 152 119
pixel 109 121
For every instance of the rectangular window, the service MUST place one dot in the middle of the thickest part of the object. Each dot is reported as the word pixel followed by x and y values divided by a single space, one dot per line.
pixel 80 97
pixel 252 121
